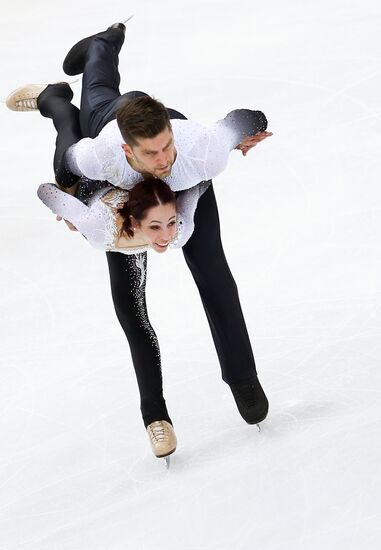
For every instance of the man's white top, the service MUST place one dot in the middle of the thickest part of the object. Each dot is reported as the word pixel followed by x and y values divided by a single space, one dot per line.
pixel 202 153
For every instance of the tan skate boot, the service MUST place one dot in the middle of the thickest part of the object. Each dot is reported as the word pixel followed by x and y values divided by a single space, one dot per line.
pixel 25 98
pixel 162 438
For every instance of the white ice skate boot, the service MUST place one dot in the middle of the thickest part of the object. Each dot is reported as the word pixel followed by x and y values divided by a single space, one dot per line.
pixel 25 98
pixel 162 438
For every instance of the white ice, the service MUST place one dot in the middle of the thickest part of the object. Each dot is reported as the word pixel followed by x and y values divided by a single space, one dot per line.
pixel 301 227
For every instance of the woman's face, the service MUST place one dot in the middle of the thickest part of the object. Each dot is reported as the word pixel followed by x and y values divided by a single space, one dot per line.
pixel 159 226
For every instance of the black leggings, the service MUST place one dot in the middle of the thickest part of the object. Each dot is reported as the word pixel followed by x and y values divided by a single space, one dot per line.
pixel 55 103
pixel 203 253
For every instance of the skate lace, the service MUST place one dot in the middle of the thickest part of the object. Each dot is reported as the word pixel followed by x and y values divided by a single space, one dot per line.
pixel 27 103
pixel 158 432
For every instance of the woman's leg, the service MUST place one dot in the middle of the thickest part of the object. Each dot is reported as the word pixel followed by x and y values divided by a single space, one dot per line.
pixel 128 281
pixel 55 103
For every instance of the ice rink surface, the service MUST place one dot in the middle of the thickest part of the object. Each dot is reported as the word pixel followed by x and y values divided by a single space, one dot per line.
pixel 301 227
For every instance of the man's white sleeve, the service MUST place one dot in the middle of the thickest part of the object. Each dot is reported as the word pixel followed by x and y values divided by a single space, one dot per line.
pixel 226 134
pixel 101 158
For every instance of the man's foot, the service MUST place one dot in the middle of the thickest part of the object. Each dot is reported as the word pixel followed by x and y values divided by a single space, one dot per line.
pixel 162 438
pixel 251 400
pixel 74 62
pixel 25 98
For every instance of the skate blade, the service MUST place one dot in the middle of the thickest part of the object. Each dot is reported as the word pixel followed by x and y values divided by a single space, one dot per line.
pixel 128 19
pixel 167 460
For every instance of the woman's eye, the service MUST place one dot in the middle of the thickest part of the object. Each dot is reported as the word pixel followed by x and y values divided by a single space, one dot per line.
pixel 171 224
pixel 154 227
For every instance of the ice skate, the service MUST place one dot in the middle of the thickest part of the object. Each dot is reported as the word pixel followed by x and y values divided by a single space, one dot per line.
pixel 74 61
pixel 251 400
pixel 162 438
pixel 25 97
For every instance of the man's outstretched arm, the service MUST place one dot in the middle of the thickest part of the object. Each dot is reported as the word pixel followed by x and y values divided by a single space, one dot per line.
pixel 241 129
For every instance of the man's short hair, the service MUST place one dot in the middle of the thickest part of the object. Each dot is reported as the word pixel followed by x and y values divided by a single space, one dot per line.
pixel 142 117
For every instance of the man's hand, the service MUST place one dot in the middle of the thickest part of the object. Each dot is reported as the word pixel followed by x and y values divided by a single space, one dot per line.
pixel 70 225
pixel 251 141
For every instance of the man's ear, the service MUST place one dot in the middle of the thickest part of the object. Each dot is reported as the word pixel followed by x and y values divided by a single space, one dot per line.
pixel 127 150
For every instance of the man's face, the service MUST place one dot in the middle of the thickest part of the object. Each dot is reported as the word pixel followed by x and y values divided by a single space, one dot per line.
pixel 154 156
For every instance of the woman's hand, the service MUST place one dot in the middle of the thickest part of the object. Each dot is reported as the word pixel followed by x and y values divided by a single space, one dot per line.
pixel 70 225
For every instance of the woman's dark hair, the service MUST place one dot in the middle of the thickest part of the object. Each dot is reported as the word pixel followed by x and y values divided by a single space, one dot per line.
pixel 145 195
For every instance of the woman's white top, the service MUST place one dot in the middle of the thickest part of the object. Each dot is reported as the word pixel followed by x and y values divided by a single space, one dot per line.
pixel 97 222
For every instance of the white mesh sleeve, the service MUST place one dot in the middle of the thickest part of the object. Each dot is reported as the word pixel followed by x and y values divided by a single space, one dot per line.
pixel 82 160
pixel 94 223
pixel 100 158
pixel 226 134
pixel 186 204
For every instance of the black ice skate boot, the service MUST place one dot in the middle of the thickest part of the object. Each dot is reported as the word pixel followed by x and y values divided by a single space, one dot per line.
pixel 74 62
pixel 251 400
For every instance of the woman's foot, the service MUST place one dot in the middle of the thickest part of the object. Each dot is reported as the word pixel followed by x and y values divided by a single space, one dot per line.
pixel 162 438
pixel 29 96
pixel 25 98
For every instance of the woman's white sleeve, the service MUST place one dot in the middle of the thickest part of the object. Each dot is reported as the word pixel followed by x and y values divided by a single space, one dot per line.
pixel 91 222
pixel 61 203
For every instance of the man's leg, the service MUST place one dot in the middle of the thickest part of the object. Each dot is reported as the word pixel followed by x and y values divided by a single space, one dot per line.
pixel 206 260
pixel 128 282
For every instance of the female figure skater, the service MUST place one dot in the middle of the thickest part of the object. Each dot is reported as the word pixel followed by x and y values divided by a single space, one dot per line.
pixel 131 222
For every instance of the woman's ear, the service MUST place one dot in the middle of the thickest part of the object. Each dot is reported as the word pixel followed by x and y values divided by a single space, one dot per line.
pixel 134 223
